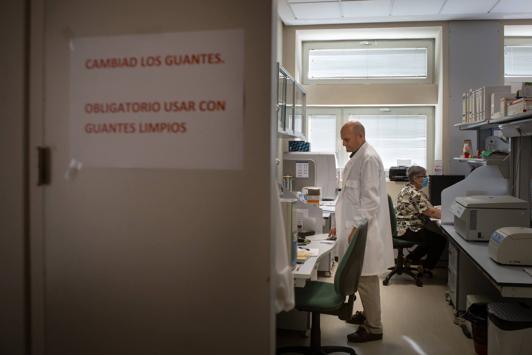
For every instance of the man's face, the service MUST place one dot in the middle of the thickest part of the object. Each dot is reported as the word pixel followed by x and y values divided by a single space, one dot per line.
pixel 351 140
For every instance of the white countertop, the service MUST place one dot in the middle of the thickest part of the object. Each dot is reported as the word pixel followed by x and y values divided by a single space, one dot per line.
pixel 502 275
pixel 307 270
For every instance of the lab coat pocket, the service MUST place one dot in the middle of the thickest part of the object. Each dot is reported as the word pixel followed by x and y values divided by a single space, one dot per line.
pixel 352 191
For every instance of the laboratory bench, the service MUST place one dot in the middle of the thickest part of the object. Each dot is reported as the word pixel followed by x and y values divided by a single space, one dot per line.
pixel 307 271
pixel 472 271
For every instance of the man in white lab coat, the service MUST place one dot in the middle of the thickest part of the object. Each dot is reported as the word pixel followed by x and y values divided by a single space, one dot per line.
pixel 364 196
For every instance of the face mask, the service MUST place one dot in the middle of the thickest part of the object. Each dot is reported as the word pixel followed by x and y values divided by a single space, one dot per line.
pixel 425 182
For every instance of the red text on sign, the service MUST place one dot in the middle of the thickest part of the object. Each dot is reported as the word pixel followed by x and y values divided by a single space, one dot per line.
pixel 212 105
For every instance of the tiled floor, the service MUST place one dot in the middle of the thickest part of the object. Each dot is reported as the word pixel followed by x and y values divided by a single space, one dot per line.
pixel 417 320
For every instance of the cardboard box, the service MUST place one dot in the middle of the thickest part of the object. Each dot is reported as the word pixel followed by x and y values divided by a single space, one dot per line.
pixel 520 106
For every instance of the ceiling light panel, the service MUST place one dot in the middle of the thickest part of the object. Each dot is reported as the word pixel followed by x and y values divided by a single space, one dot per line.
pixel 513 6
pixel 416 7
pixel 366 8
pixel 316 10
pixel 477 7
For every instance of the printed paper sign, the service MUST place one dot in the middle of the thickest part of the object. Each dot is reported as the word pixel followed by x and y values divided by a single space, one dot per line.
pixel 172 100
pixel 302 170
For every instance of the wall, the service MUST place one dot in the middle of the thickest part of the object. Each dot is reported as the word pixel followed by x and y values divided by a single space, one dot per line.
pixel 13 244
pixel 144 261
pixel 475 50
pixel 280 33
pixel 440 108
pixel 280 142
pixel 471 56
pixel 375 94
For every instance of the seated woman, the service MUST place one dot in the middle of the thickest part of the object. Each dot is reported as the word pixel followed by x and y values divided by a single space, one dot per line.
pixel 413 213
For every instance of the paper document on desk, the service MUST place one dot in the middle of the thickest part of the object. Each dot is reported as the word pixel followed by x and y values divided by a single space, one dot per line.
pixel 314 251
pixel 305 253
pixel 318 237
pixel 302 255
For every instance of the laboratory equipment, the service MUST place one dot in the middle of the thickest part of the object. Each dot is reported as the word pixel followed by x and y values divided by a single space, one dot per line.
pixel 312 194
pixel 477 104
pixel 298 146
pixel 467 149
pixel 497 144
pixel 312 169
pixel 477 217
pixel 484 180
pixel 519 106
pixel 511 246
pixel 309 217
pixel 288 183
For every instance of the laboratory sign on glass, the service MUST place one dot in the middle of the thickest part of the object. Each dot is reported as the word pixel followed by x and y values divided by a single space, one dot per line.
pixel 158 100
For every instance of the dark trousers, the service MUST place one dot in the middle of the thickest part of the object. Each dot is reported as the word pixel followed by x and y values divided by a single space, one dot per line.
pixel 431 245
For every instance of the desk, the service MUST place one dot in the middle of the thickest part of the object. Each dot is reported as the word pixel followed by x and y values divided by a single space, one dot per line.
pixel 300 320
pixel 309 269
pixel 508 281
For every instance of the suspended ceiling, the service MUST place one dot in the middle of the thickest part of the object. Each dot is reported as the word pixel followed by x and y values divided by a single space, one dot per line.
pixel 306 12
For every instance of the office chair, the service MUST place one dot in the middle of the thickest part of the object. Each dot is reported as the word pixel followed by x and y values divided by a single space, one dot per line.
pixel 400 244
pixel 325 298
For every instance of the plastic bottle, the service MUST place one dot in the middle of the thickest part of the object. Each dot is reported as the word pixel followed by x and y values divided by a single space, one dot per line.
pixel 293 251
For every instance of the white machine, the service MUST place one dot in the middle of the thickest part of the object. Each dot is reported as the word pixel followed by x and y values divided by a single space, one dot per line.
pixel 511 246
pixel 497 144
pixel 477 217
pixel 312 169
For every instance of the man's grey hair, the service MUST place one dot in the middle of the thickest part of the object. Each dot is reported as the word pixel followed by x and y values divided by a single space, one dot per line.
pixel 414 171
pixel 355 127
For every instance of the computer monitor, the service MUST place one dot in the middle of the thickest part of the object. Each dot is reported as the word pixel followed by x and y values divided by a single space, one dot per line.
pixel 439 183
pixel 312 169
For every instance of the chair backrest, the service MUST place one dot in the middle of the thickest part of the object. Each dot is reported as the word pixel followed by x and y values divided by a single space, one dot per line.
pixel 393 217
pixel 350 266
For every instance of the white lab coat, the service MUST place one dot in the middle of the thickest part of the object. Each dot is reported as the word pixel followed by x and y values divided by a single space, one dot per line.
pixel 364 196
pixel 283 278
